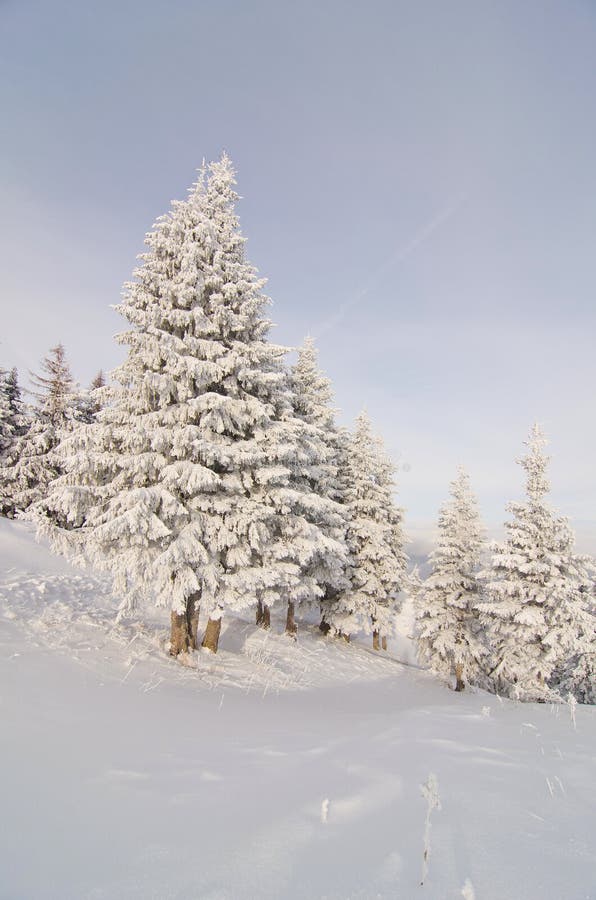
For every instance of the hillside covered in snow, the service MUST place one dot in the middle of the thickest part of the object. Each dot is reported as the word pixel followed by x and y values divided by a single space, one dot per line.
pixel 274 769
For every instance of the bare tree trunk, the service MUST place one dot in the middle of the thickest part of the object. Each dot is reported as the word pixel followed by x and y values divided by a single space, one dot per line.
pixel 459 677
pixel 259 615
pixel 192 619
pixel 211 637
pixel 376 645
pixel 342 634
pixel 290 622
pixel 384 642
pixel 178 633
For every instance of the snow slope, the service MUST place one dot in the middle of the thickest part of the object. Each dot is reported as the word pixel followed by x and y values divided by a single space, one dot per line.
pixel 273 770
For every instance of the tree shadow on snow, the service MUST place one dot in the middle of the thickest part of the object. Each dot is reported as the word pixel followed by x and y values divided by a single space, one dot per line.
pixel 234 634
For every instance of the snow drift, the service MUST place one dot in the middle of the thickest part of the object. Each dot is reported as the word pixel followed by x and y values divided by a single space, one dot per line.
pixel 276 769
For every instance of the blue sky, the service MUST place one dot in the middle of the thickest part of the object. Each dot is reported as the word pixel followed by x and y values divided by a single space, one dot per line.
pixel 419 187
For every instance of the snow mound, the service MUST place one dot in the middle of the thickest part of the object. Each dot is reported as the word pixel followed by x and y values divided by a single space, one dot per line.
pixel 75 612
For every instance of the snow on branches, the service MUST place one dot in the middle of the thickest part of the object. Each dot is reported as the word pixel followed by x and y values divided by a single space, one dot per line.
pixel 534 607
pixel 448 628
pixel 194 480
pixel 377 572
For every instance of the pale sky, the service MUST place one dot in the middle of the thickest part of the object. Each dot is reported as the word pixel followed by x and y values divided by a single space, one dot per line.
pixel 420 189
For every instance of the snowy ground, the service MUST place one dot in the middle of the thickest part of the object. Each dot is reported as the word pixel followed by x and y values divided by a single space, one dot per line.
pixel 273 770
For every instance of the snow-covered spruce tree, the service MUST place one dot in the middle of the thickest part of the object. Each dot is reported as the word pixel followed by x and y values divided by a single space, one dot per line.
pixel 377 571
pixel 58 509
pixel 33 464
pixel 6 415
pixel 13 422
pixel 98 382
pixel 185 477
pixel 55 386
pixel 88 401
pixel 13 425
pixel 576 674
pixel 534 610
pixel 448 628
pixel 318 476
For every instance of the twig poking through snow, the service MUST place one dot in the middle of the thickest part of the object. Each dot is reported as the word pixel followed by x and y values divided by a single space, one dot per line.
pixel 572 703
pixel 467 891
pixel 131 665
pixel 151 687
pixel 324 810
pixel 430 791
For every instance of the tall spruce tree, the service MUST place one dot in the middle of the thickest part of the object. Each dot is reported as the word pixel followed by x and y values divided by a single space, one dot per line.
pixel 377 572
pixel 185 478
pixel 534 609
pixel 448 628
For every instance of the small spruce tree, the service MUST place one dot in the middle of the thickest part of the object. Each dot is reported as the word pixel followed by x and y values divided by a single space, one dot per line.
pixel 13 422
pixel 34 464
pixel 377 571
pixel 6 414
pixel 578 674
pixel 317 475
pixel 448 629
pixel 13 425
pixel 88 402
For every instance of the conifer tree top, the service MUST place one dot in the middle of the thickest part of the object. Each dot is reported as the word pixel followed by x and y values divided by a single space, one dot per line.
pixel 534 463
pixel 55 386
pixel 313 390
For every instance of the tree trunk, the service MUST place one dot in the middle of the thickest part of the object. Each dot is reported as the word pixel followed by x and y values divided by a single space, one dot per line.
pixel 178 633
pixel 211 637
pixel 384 642
pixel 192 619
pixel 266 620
pixel 325 627
pixel 376 645
pixel 342 634
pixel 459 677
pixel 263 615
pixel 290 622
